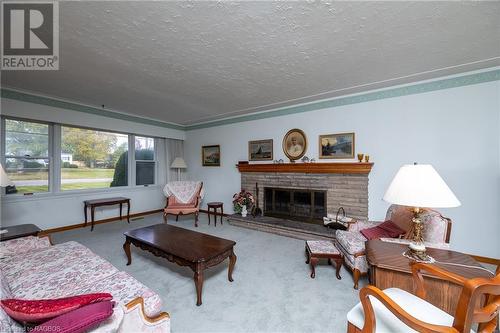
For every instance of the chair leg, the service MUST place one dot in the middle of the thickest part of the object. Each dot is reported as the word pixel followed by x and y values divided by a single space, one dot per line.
pixel 196 219
pixel 356 274
pixel 176 218
pixel 165 218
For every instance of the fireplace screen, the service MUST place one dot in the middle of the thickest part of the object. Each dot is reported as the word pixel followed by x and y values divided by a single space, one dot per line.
pixel 297 204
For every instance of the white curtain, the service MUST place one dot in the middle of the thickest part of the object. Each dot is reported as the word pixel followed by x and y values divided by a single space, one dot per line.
pixel 173 148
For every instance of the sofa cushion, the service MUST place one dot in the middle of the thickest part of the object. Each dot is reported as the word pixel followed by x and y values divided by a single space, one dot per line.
pixel 7 324
pixel 124 289
pixel 352 242
pixel 23 245
pixel 59 271
pixel 80 320
pixel 387 322
pixel 35 311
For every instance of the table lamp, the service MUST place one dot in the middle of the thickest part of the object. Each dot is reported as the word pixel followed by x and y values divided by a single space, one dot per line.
pixel 178 164
pixel 419 186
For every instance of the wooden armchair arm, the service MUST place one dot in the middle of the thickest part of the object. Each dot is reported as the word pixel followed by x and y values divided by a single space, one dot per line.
pixel 418 279
pixel 405 317
pixel 139 302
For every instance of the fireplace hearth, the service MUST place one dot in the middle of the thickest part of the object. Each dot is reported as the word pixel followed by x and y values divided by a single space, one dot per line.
pixel 295 204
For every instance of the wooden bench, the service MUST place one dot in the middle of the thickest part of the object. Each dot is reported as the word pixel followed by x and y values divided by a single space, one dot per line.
pixel 92 204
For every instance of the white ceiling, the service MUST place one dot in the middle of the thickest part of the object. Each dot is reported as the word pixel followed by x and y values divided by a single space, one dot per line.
pixel 190 62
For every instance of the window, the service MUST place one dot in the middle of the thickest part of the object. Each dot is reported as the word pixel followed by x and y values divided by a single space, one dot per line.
pixel 93 159
pixel 27 159
pixel 45 157
pixel 144 161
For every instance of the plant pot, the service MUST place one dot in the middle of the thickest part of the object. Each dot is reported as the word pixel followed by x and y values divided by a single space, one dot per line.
pixel 244 211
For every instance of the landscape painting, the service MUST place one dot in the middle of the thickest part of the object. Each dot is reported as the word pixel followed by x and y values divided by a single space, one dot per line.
pixel 210 155
pixel 261 150
pixel 336 145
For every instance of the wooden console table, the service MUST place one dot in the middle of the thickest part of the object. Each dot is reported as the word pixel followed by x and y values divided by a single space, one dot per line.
pixel 92 204
pixel 390 269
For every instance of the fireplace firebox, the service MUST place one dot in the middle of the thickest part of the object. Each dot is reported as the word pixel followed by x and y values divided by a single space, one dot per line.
pixel 296 204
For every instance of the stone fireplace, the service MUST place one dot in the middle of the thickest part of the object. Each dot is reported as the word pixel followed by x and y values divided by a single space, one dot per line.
pixel 309 191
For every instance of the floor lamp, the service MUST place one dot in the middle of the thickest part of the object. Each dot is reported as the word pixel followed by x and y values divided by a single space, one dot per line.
pixel 419 186
pixel 178 164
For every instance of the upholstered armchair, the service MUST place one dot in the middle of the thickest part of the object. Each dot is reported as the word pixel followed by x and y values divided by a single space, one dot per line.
pixel 395 310
pixel 183 198
pixel 352 243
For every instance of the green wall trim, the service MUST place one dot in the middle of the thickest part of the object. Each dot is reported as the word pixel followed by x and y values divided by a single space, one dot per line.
pixel 412 89
pixel 21 96
pixel 418 88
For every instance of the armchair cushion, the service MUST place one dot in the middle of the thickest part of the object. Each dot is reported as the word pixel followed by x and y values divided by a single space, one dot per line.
pixel 387 322
pixel 352 242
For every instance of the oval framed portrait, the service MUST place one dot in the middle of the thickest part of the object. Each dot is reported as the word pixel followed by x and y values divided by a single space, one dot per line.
pixel 294 144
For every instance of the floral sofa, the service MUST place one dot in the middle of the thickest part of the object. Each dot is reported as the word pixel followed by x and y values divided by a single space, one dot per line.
pixel 33 268
pixel 352 243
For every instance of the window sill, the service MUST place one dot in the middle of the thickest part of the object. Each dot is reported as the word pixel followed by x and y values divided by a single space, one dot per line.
pixel 74 193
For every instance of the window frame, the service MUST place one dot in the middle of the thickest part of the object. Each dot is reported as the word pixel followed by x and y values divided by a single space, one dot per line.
pixel 50 149
pixel 154 160
pixel 55 162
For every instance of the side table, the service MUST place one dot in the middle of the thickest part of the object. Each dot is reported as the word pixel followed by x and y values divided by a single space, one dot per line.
pixel 18 231
pixel 214 206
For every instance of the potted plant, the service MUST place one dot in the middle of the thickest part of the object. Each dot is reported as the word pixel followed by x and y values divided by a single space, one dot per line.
pixel 242 202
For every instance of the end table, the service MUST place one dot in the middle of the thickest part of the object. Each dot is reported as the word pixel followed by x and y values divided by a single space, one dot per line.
pixel 18 231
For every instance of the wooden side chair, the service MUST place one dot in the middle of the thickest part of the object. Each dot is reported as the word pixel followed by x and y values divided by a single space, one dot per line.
pixel 395 310
pixel 175 207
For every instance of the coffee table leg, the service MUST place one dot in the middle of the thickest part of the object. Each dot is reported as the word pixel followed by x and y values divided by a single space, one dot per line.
pixel 126 248
pixel 339 263
pixel 232 262
pixel 313 261
pixel 308 258
pixel 198 281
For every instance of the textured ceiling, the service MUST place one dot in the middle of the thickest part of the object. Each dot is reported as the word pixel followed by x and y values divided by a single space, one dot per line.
pixel 190 62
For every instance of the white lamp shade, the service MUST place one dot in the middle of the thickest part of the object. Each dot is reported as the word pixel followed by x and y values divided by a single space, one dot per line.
pixel 4 180
pixel 420 185
pixel 178 163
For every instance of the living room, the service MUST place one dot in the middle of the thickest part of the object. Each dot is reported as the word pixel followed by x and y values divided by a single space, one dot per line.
pixel 242 140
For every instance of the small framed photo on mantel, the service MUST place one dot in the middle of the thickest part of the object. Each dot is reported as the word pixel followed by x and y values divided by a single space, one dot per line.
pixel 339 145
pixel 260 150
pixel 210 155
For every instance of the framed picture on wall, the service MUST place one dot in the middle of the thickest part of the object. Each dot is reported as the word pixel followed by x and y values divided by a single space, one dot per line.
pixel 210 155
pixel 260 150
pixel 295 144
pixel 336 145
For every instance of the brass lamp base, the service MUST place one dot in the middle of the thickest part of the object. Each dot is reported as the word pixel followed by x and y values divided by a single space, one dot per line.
pixel 420 256
pixel 416 249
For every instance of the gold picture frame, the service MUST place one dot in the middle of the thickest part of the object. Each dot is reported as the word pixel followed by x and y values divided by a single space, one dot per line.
pixel 260 150
pixel 339 145
pixel 210 155
pixel 294 144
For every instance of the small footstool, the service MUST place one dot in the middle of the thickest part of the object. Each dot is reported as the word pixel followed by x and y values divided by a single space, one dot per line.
pixel 316 249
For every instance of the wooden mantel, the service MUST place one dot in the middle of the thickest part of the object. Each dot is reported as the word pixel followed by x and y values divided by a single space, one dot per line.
pixel 339 167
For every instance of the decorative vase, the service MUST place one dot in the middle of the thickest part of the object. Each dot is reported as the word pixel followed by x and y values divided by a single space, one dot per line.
pixel 244 211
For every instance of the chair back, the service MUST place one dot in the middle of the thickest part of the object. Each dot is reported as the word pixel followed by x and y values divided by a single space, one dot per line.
pixel 437 228
pixel 479 303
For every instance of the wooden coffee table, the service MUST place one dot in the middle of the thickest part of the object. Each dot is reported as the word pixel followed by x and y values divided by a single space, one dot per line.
pixel 184 247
